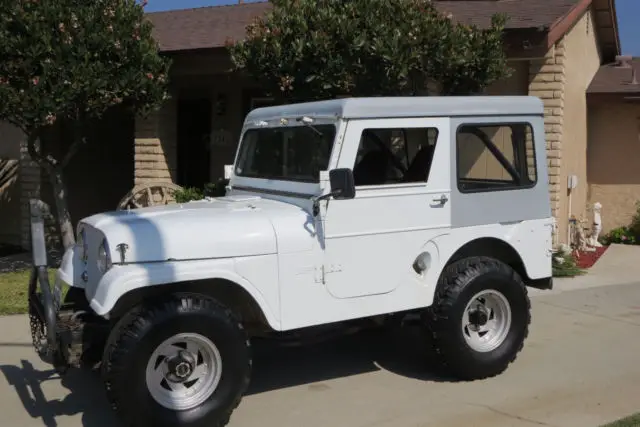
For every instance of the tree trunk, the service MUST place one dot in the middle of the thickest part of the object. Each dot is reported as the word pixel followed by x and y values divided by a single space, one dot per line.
pixel 62 209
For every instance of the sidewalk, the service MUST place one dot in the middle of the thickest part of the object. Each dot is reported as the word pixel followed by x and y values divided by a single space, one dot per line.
pixel 620 265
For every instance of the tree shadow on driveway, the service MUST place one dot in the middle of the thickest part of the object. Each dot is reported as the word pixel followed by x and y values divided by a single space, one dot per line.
pixel 404 352
pixel 86 395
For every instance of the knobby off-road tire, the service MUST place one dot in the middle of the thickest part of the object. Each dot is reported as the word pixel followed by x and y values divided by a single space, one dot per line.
pixel 144 331
pixel 445 319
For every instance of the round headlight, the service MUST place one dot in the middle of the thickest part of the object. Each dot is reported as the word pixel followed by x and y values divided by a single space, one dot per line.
pixel 104 259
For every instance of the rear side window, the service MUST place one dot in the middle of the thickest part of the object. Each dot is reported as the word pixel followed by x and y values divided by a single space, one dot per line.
pixel 495 157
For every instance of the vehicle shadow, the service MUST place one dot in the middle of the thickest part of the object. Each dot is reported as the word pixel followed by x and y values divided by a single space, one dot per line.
pixel 406 352
pixel 403 352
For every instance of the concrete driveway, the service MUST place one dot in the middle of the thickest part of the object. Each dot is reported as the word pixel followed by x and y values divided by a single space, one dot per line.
pixel 580 367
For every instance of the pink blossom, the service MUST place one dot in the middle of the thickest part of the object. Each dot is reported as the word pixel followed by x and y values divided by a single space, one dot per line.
pixel 50 119
pixel 61 27
pixel 150 76
pixel 144 2
pixel 35 80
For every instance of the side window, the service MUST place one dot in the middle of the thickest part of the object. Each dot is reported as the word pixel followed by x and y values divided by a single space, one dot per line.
pixel 495 157
pixel 394 156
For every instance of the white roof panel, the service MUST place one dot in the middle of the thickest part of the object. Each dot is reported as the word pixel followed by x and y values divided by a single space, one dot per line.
pixel 402 107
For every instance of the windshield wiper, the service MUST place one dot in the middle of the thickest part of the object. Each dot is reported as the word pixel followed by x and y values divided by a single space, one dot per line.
pixel 307 121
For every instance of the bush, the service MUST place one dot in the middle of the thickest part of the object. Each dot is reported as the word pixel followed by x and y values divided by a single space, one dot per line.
pixel 188 194
pixel 620 235
pixel 635 222
pixel 564 264
pixel 211 189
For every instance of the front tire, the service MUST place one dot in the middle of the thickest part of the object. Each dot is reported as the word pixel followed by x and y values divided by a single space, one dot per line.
pixel 480 317
pixel 184 362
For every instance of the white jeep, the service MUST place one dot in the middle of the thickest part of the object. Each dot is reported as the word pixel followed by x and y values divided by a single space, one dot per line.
pixel 340 211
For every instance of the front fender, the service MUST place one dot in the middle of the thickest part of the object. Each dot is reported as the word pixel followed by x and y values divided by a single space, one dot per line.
pixel 121 279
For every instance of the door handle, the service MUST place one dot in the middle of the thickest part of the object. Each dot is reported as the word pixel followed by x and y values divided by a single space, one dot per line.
pixel 442 200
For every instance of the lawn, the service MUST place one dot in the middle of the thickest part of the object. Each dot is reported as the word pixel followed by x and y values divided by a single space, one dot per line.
pixel 13 291
pixel 632 421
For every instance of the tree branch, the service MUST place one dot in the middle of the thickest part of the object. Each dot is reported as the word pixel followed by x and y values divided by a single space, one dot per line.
pixel 47 162
pixel 78 140
pixel 72 151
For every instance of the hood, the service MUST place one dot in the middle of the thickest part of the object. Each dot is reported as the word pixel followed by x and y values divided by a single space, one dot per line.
pixel 215 228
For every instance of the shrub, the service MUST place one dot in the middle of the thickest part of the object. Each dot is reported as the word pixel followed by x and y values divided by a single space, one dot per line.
pixel 564 264
pixel 211 189
pixel 188 194
pixel 635 222
pixel 620 235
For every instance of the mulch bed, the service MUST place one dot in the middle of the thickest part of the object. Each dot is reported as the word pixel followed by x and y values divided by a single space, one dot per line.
pixel 586 260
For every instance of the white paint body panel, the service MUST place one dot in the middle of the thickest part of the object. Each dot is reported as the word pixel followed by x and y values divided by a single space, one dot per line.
pixel 355 258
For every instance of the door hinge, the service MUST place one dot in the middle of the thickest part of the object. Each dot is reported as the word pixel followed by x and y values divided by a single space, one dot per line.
pixel 322 272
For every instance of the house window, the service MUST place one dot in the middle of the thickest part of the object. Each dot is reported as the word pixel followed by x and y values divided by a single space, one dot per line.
pixel 495 157
pixel 394 156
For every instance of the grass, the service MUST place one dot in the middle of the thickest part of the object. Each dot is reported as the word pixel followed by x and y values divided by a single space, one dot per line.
pixel 13 291
pixel 632 421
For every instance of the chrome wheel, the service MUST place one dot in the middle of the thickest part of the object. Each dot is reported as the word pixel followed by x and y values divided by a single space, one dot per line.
pixel 486 321
pixel 184 371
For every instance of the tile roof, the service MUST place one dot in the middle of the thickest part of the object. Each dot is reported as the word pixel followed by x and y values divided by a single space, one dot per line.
pixel 209 27
pixel 612 78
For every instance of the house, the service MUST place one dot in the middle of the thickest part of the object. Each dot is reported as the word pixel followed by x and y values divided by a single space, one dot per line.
pixel 563 51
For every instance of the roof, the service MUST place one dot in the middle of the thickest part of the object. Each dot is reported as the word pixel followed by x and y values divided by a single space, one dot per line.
pixel 210 27
pixel 615 79
pixel 205 27
pixel 521 13
pixel 404 107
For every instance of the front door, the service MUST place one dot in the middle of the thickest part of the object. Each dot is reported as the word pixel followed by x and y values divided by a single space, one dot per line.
pixel 401 205
pixel 194 131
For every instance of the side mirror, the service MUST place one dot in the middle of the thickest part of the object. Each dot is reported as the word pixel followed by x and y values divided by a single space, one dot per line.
pixel 342 184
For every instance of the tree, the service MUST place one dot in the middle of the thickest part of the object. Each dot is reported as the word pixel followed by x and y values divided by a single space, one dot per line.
pixel 69 61
pixel 315 49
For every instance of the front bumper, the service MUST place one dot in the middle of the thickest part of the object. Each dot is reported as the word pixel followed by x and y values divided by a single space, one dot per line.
pixel 62 330
pixel 65 330
pixel 44 307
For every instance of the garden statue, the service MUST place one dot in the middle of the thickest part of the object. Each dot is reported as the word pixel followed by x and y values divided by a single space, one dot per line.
pixel 597 226
pixel 580 239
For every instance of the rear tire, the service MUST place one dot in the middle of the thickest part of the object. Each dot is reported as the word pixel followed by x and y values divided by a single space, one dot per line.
pixel 184 362
pixel 480 317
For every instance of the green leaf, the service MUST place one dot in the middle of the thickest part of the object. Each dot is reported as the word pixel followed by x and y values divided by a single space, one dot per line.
pixel 368 47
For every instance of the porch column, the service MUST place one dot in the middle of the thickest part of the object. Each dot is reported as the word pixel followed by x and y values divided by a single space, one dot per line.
pixel 156 153
pixel 547 81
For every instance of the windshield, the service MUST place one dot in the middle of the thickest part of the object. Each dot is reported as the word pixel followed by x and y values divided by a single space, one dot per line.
pixel 287 153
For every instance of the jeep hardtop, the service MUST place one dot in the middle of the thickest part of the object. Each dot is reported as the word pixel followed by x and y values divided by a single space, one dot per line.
pixel 357 211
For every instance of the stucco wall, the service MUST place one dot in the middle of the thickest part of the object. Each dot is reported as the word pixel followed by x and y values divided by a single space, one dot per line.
pixel 516 84
pixel 582 62
pixel 613 159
